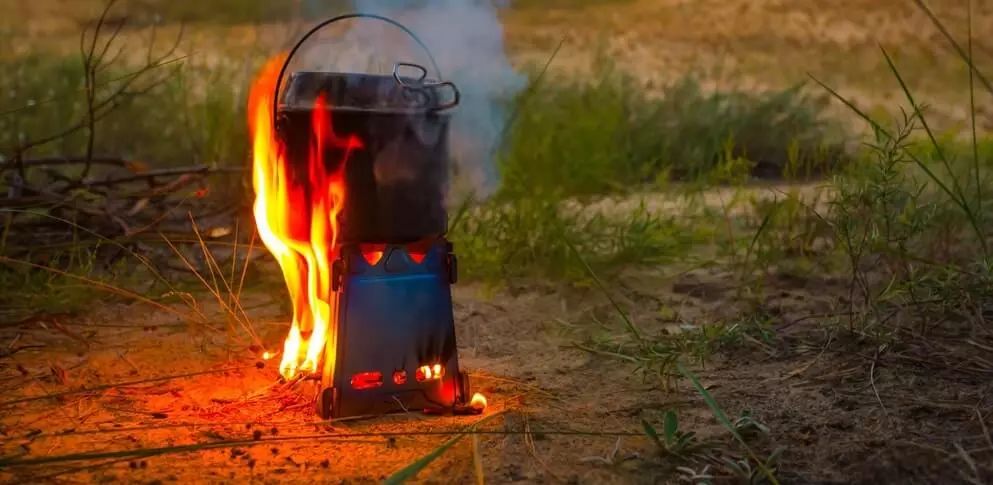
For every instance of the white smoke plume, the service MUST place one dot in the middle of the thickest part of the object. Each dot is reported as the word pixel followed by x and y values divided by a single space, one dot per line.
pixel 467 41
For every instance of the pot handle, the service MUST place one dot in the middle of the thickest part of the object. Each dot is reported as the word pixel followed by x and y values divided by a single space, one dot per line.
pixel 422 83
pixel 356 15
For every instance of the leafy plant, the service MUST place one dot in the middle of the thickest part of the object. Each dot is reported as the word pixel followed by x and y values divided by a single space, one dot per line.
pixel 672 441
pixel 747 473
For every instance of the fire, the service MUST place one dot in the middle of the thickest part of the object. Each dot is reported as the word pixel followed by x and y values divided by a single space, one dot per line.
pixel 298 222
pixel 478 401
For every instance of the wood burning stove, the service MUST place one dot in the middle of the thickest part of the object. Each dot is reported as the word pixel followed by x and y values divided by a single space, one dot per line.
pixel 393 345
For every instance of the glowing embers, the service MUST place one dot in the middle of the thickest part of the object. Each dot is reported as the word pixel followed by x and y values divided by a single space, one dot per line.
pixel 372 253
pixel 367 380
pixel 429 373
pixel 372 380
pixel 418 251
pixel 478 402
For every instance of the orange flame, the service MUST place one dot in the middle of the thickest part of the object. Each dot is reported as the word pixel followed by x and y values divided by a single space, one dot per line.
pixel 478 401
pixel 298 222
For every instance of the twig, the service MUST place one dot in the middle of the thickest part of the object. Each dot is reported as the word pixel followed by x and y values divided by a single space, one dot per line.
pixel 120 384
pixel 97 109
pixel 167 172
pixel 872 380
pixel 91 64
pixel 62 161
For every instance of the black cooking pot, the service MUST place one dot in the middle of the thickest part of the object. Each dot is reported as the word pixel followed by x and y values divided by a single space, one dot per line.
pixel 395 185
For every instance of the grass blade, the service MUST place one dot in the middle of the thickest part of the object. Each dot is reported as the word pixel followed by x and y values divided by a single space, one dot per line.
pixel 722 418
pixel 410 471
pixel 972 116
pixel 958 194
pixel 962 205
pixel 967 57
pixel 477 460
pixel 652 434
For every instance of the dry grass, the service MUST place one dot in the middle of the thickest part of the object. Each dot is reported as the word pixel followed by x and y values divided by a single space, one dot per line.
pixel 774 327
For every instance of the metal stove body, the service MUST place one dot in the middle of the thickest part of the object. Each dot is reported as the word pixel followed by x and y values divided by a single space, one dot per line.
pixel 393 347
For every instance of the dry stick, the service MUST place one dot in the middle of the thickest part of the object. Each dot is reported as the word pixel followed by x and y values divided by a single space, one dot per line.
pixel 306 424
pixel 234 255
pixel 90 66
pixel 346 437
pixel 166 172
pixel 120 384
pixel 106 106
pixel 215 289
pixel 155 222
pixel 72 470
pixel 986 431
pixel 149 452
pixel 65 160
pixel 63 96
pixel 244 270
pixel 872 381
pixel 137 256
pixel 128 232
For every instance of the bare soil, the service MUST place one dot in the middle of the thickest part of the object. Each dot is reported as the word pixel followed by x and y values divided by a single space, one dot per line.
pixel 844 414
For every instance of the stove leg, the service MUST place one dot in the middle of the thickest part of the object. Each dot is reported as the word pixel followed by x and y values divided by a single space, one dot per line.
pixel 464 390
pixel 325 403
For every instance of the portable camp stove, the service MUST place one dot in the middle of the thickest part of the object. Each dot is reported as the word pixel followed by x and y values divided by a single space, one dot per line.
pixel 393 346
pixel 396 337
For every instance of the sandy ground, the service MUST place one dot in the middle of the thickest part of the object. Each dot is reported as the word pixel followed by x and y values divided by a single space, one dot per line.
pixel 844 414
pixel 819 404
pixel 115 395
pixel 519 357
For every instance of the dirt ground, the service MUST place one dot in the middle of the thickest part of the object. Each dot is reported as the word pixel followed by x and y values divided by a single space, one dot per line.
pixel 844 414
pixel 844 410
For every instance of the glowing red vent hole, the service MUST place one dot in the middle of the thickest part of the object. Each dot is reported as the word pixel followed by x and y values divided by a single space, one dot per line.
pixel 400 377
pixel 367 380
pixel 372 253
pixel 419 250
pixel 429 373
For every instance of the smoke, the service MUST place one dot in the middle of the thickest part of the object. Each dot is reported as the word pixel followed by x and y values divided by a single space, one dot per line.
pixel 465 37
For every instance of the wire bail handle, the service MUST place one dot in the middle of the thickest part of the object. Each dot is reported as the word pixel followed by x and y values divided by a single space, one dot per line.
pixel 421 83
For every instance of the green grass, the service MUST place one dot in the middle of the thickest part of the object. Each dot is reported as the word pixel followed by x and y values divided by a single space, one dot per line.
pixel 607 135
pixel 501 242
pixel 163 117
pixel 571 139
pixel 907 224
